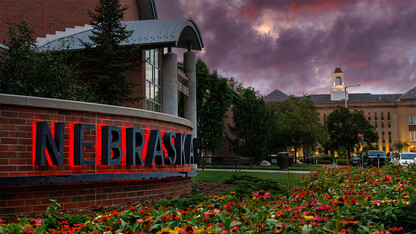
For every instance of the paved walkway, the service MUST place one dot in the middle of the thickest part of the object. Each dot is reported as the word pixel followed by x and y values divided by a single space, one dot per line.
pixel 250 170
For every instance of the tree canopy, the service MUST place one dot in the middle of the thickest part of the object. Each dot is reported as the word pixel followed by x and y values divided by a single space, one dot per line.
pixel 213 100
pixel 253 125
pixel 25 71
pixel 343 127
pixel 400 145
pixel 298 126
pixel 104 66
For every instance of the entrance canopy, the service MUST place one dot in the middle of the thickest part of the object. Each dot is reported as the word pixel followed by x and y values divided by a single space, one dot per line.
pixel 180 33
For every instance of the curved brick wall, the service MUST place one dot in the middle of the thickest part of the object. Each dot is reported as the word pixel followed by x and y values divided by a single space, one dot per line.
pixel 18 117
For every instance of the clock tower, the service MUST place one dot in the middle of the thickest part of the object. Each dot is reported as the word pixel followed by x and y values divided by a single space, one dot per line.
pixel 338 86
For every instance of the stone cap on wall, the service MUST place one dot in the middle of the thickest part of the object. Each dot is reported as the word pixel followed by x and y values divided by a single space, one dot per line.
pixel 10 99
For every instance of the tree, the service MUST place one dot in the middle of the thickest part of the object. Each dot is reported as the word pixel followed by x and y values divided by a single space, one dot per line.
pixel 104 66
pixel 343 127
pixel 298 125
pixel 400 145
pixel 214 99
pixel 25 71
pixel 253 125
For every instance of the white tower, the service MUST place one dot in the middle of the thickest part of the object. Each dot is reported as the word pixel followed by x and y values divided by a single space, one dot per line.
pixel 338 87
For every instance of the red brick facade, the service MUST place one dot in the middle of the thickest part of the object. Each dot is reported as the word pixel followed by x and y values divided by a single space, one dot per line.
pixel 17 127
pixel 35 198
pixel 48 16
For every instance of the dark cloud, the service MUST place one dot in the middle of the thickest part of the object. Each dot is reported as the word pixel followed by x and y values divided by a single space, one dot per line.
pixel 295 45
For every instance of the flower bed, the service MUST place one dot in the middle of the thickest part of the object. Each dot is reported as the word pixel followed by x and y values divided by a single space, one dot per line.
pixel 345 199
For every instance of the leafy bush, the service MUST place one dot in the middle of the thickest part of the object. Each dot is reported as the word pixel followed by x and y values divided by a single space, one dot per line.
pixel 246 184
pixel 342 161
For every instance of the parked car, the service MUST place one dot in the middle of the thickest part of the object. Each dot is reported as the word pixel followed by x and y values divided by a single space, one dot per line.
pixel 355 161
pixel 407 158
pixel 374 158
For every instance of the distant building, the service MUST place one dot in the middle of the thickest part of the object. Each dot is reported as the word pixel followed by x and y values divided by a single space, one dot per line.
pixel 393 115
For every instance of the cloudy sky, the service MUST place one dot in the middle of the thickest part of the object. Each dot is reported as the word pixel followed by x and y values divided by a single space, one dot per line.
pixel 294 45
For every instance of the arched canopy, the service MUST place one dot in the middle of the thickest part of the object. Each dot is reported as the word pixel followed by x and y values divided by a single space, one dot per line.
pixel 180 33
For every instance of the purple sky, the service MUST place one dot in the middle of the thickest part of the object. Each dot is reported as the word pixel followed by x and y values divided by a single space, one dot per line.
pixel 294 45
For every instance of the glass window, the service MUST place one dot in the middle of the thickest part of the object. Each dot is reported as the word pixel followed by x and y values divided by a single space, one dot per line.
pixel 412 136
pixel 412 120
pixel 153 88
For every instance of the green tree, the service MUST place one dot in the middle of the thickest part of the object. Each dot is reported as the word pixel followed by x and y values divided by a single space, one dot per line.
pixel 25 71
pixel 105 62
pixel 253 125
pixel 214 99
pixel 343 127
pixel 298 125
pixel 400 145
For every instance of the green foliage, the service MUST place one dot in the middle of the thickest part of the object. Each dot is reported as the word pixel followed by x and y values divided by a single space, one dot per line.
pixel 245 185
pixel 400 145
pixel 105 62
pixel 298 126
pixel 343 127
pixel 214 99
pixel 342 161
pixel 25 71
pixel 182 203
pixel 254 124
pixel 52 219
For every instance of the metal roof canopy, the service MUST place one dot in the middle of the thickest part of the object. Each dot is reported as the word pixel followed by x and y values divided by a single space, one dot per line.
pixel 180 33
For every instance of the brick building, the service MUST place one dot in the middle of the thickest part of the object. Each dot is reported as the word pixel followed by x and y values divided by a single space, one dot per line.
pixel 82 178
pixel 393 115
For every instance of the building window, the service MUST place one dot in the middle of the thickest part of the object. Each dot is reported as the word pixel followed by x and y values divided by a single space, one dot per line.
pixel 382 116
pixel 388 115
pixel 153 84
pixel 375 124
pixel 412 136
pixel 369 116
pixel 412 120
pixel 324 117
pixel 375 116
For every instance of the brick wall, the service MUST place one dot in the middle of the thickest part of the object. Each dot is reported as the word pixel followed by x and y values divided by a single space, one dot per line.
pixel 17 125
pixel 35 199
pixel 48 16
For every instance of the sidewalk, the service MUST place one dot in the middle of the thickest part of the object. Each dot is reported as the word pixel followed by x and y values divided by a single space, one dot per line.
pixel 249 170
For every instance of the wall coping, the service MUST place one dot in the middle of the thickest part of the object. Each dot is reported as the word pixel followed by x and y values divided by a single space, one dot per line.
pixel 19 100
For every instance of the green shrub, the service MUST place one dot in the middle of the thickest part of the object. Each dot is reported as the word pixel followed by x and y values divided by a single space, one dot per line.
pixel 342 161
pixel 245 185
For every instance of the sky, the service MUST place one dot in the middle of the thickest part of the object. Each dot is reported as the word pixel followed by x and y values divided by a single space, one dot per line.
pixel 295 45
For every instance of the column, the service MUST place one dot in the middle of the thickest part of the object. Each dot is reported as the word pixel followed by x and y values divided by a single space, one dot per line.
pixel 170 86
pixel 189 64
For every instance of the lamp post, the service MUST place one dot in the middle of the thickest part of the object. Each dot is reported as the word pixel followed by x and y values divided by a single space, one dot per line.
pixel 345 93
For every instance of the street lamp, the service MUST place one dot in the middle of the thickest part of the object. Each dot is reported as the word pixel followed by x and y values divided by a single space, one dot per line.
pixel 345 93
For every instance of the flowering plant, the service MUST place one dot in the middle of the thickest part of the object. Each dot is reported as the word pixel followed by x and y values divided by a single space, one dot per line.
pixel 343 199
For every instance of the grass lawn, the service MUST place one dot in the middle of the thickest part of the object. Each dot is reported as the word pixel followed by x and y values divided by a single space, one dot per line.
pixel 297 167
pixel 221 176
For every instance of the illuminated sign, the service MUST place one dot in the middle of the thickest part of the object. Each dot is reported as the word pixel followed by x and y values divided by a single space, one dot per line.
pixel 49 150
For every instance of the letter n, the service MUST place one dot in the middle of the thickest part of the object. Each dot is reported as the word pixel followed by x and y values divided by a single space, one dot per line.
pixel 44 140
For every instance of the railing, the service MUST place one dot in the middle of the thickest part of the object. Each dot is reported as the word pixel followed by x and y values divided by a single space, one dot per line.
pixel 226 161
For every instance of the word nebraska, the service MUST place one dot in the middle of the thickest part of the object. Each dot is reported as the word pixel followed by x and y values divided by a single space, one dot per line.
pixel 179 151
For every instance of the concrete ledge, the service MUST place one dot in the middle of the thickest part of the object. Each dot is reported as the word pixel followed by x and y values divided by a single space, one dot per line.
pixel 18 100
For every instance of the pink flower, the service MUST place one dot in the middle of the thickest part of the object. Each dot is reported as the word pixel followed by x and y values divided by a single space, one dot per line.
pixel 261 194
pixel 235 229
pixel 396 229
